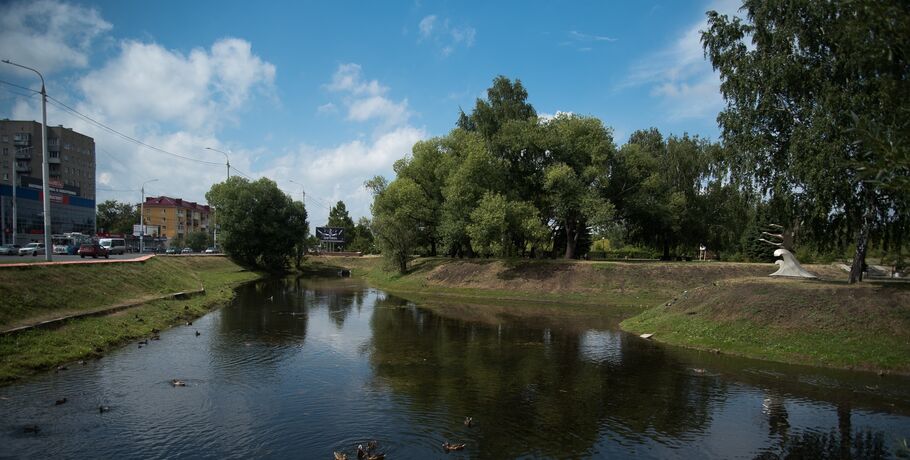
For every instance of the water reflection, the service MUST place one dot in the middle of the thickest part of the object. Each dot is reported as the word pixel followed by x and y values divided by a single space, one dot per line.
pixel 301 367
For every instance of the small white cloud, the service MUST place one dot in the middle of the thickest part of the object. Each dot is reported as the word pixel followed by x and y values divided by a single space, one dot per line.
pixel 327 108
pixel 365 99
pixel 48 35
pixel 426 26
pixel 582 37
pixel 446 37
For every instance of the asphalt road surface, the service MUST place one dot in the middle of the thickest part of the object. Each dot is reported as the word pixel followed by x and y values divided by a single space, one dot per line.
pixel 59 258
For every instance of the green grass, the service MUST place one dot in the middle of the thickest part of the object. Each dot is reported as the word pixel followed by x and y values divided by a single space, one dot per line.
pixel 818 323
pixel 29 352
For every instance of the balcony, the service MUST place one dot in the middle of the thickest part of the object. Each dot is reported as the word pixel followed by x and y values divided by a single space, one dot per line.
pixel 20 155
pixel 24 168
pixel 22 139
pixel 53 160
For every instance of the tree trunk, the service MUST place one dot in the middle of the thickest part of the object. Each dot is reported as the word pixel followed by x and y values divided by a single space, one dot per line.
pixel 666 249
pixel 862 240
pixel 571 239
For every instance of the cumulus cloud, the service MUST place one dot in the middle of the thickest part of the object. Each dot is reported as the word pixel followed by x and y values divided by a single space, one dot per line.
pixel 366 99
pixel 148 83
pixel 445 36
pixel 47 35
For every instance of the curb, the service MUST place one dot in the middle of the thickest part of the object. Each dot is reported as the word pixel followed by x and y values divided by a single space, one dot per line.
pixel 57 322
pixel 78 262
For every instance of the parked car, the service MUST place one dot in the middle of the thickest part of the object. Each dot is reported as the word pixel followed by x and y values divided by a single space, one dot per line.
pixel 32 248
pixel 9 249
pixel 210 250
pixel 94 251
pixel 171 251
pixel 187 251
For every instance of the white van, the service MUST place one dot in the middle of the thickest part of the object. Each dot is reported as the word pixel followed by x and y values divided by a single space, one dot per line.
pixel 113 245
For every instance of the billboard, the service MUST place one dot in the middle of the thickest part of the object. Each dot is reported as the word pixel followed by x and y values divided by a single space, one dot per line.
pixel 330 234
pixel 150 230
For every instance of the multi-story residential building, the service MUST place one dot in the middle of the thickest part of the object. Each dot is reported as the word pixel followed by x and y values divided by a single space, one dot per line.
pixel 175 218
pixel 71 168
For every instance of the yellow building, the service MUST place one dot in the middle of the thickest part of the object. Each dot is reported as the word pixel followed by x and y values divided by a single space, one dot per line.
pixel 174 217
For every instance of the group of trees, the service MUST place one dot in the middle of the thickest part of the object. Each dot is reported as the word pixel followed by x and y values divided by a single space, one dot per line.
pixel 506 182
pixel 815 138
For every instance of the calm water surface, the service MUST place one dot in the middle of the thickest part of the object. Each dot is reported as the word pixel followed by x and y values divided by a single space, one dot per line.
pixel 298 368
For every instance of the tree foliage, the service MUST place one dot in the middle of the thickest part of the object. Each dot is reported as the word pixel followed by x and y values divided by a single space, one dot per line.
pixel 116 217
pixel 260 225
pixel 339 217
pixel 811 89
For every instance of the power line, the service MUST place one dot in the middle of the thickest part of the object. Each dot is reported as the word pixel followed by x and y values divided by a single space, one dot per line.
pixel 124 136
pixel 19 86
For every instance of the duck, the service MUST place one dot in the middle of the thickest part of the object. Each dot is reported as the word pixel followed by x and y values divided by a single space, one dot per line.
pixel 468 421
pixel 143 342
pixel 376 457
pixel 103 409
pixel 156 337
pixel 197 333
pixel 361 454
pixel 178 383
pixel 31 429
pixel 60 401
pixel 372 445
pixel 156 331
pixel 340 456
pixel 82 362
pixel 452 447
pixel 61 368
pixel 189 323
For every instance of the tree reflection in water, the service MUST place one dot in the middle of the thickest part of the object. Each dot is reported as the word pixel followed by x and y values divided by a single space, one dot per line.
pixel 531 391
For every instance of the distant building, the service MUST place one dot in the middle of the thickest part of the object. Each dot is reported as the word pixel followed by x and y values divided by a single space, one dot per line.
pixel 174 218
pixel 71 167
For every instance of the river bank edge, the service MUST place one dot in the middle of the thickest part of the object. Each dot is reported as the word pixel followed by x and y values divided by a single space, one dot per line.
pixel 27 353
pixel 729 308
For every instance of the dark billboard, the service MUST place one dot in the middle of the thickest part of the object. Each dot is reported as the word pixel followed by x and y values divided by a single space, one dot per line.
pixel 330 234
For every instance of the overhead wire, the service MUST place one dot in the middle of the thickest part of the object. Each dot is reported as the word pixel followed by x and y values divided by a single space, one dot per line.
pixel 91 120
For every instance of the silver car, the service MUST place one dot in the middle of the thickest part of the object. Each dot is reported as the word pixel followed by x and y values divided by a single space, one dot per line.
pixel 9 249
pixel 32 248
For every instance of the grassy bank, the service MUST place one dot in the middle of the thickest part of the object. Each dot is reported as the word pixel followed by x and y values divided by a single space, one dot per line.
pixel 729 307
pixel 33 294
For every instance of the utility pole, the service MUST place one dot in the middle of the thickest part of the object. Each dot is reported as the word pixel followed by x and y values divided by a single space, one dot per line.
pixel 142 216
pixel 45 175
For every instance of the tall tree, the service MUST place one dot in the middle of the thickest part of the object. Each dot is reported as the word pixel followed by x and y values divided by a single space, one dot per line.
pixel 579 150
pixel 339 217
pixel 801 80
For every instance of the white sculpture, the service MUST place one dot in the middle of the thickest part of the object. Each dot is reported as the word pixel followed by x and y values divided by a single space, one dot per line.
pixel 789 266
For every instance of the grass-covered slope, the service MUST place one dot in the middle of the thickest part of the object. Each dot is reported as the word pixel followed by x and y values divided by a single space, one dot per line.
pixel 31 294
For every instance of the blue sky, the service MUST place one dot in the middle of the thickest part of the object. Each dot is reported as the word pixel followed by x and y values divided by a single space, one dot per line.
pixel 328 94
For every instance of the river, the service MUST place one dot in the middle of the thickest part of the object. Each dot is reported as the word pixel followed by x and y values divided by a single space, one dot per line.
pixel 300 368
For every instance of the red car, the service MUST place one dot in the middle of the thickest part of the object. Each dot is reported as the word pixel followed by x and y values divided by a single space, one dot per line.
pixel 93 250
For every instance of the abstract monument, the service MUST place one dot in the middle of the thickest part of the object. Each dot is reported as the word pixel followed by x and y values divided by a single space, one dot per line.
pixel 787 262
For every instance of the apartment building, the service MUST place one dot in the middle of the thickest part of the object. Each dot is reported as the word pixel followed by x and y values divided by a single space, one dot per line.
pixel 71 168
pixel 175 218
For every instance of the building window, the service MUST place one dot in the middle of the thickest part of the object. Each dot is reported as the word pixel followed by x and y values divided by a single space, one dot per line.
pixel 5 138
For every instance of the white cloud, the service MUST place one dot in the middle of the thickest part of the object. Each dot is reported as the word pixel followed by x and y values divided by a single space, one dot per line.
pixel 583 37
pixel 445 36
pixel 147 83
pixel 426 26
pixel 327 108
pixel 47 35
pixel 680 75
pixel 365 99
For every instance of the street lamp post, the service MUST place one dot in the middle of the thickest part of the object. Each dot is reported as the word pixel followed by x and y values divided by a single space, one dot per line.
pixel 142 216
pixel 214 228
pixel 302 191
pixel 226 159
pixel 45 175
